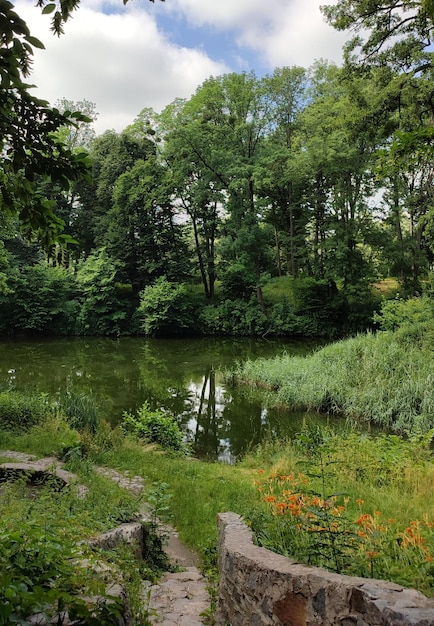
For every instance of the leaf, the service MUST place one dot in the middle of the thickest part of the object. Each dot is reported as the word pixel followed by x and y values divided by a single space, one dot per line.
pixel 36 43
pixel 48 8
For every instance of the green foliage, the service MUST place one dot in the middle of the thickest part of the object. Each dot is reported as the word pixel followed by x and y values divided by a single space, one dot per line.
pixel 155 427
pixel 399 312
pixel 31 151
pixel 166 308
pixel 20 411
pixel 103 311
pixel 382 379
pixel 319 303
pixel 233 317
pixel 39 298
pixel 41 574
pixel 45 567
pixel 237 283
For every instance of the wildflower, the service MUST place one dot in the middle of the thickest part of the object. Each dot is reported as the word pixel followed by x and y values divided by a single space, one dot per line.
pixel 360 502
pixel 371 554
pixel 270 498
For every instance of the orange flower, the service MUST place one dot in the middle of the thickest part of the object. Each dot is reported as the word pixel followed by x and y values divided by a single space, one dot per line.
pixel 372 554
pixel 360 502
pixel 270 498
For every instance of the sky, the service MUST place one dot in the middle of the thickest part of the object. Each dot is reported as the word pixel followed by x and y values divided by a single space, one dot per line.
pixel 144 54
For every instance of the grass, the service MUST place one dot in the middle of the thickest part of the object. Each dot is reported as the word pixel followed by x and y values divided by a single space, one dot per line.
pixel 384 379
pixel 389 474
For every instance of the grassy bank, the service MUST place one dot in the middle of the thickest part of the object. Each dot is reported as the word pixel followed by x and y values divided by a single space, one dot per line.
pixel 384 379
pixel 384 511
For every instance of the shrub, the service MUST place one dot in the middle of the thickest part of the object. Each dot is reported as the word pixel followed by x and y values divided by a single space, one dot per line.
pixel 39 299
pixel 104 308
pixel 155 427
pixel 400 312
pixel 237 282
pixel 166 308
pixel 20 411
pixel 234 317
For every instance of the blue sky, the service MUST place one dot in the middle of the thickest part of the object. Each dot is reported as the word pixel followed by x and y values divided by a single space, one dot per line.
pixel 126 58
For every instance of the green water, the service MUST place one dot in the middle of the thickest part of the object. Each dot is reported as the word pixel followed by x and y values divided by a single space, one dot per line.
pixel 181 376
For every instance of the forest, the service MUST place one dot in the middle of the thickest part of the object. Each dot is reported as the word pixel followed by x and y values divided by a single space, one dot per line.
pixel 288 204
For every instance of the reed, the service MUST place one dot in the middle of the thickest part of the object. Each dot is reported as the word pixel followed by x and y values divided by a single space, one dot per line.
pixel 384 379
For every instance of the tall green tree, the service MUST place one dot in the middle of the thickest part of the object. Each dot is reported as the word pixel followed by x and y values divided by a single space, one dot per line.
pixel 143 233
pixel 339 146
pixel 227 126
pixel 280 182
pixel 198 190
pixel 31 152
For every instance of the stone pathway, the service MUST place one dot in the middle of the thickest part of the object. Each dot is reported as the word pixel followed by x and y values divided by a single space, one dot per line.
pixel 180 598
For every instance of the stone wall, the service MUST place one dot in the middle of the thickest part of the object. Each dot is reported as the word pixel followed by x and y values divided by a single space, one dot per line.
pixel 261 588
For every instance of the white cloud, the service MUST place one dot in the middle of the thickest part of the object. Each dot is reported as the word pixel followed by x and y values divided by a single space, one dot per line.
pixel 119 61
pixel 227 13
pixel 116 57
pixel 301 36
pixel 283 32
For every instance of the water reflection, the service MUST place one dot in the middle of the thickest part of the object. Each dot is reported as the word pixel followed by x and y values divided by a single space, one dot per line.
pixel 185 378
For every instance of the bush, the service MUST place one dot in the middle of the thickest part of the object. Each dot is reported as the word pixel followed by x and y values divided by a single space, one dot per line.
pixel 166 309
pixel 155 427
pixel 399 312
pixel 237 282
pixel 39 299
pixel 233 317
pixel 105 308
pixel 20 411
pixel 320 305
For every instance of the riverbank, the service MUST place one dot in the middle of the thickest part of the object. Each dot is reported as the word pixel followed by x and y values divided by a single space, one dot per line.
pixel 383 478
pixel 383 379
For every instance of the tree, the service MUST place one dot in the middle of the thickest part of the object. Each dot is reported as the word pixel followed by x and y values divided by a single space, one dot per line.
pixel 227 122
pixel 398 39
pixel 279 181
pixel 142 232
pixel 338 148
pixel 112 154
pixel 199 194
pixel 397 31
pixel 31 151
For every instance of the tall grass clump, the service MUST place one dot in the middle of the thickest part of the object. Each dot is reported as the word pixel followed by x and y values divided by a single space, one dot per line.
pixel 81 410
pixel 384 379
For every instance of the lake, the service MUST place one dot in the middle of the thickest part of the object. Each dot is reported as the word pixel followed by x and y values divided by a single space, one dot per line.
pixel 183 377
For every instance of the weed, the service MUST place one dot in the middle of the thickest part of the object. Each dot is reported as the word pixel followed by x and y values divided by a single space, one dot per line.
pixel 155 427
